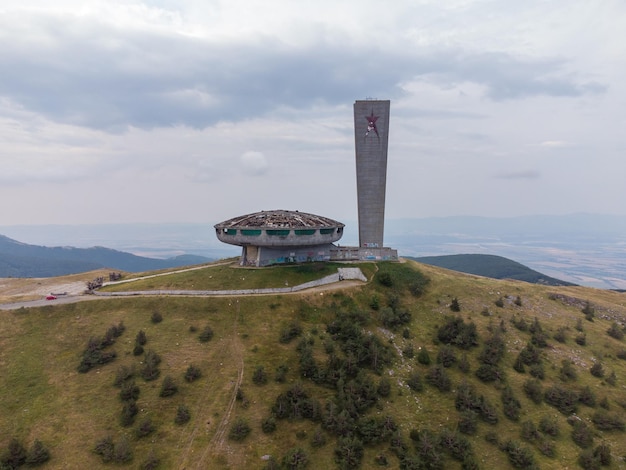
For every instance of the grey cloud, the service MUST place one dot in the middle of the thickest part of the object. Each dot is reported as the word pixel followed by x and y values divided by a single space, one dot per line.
pixel 520 175
pixel 95 76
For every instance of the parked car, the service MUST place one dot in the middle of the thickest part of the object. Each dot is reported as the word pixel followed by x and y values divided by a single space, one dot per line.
pixel 51 297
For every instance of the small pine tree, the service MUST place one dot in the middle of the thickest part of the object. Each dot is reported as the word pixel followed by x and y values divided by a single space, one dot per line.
pixel 16 455
pixel 151 463
pixel 182 415
pixel 145 428
pixel 423 357
pixel 168 387
pixel 141 338
pixel 206 334
pixel 37 454
pixel 239 430
pixel 193 373
pixel 455 306
pixel 597 370
pixel 259 377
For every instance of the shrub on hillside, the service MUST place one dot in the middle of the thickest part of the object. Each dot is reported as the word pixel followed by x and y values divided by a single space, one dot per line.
pixel 268 425
pixel 259 377
pixel 468 422
pixel 597 370
pixel 141 338
pixel 458 333
pixel 455 305
pixel 615 331
pixel 168 387
pixel 534 390
pixel 438 377
pixel 150 370
pixel 183 415
pixel 129 411
pixel 295 458
pixel 104 448
pixel 560 335
pixel 129 391
pixel 519 455
pixel 145 428
pixel 393 318
pixel 446 356
pixel 567 373
pixel 239 430
pixel 606 421
pixel 510 404
pixel 206 334
pixel 549 425
pixel 156 317
pixel 582 435
pixel 94 355
pixel 123 373
pixel 37 454
pixel 151 462
pixel 15 456
pixel 384 387
pixel 293 330
pixel 192 373
pixel 493 350
pixel 489 373
pixel 563 399
pixel 587 397
pixel 415 382
pixel 424 358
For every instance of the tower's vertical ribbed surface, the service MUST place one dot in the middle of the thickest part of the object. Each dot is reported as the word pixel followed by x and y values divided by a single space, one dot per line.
pixel 371 132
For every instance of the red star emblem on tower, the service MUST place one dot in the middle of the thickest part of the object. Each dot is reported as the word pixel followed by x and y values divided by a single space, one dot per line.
pixel 371 124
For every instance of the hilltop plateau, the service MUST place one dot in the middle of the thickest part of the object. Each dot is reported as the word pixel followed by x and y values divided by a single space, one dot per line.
pixel 418 367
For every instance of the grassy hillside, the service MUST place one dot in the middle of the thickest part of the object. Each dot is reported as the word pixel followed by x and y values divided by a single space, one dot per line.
pixel 330 377
pixel 493 266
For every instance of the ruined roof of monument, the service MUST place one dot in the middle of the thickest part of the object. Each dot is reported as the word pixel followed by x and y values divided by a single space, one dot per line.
pixel 280 219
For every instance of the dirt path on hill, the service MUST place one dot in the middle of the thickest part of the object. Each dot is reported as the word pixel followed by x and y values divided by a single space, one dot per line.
pixel 217 449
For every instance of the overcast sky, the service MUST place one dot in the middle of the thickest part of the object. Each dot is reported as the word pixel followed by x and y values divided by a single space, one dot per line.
pixel 202 110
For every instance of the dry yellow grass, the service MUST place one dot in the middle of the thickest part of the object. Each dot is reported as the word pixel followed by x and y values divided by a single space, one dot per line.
pixel 44 397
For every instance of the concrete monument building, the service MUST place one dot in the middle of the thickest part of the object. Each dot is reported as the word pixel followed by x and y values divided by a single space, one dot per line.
pixel 280 236
pixel 371 138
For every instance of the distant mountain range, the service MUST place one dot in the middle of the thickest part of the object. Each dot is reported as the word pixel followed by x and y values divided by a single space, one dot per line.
pixel 22 260
pixel 492 266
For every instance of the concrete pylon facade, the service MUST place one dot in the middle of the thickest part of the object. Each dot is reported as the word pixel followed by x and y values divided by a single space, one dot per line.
pixel 371 137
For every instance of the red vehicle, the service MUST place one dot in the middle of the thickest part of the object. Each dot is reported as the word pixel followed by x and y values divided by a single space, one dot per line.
pixel 51 297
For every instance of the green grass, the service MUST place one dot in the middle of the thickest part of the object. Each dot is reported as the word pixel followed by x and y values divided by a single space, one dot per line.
pixel 232 276
pixel 42 396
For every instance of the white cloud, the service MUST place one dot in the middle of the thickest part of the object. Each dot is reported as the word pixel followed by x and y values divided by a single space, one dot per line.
pixel 158 103
pixel 254 163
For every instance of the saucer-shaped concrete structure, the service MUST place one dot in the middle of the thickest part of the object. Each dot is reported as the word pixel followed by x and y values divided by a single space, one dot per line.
pixel 280 236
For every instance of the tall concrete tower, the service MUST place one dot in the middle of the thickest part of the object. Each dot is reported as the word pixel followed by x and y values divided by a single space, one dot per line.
pixel 371 132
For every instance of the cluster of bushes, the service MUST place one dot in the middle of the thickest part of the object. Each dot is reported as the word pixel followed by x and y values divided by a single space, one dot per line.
pixel 140 342
pixel 94 353
pixel 593 459
pixel 113 452
pixel 458 333
pixel 16 455
pixel 291 331
pixel 468 400
pixel 490 356
pixel 150 370
pixel 206 334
